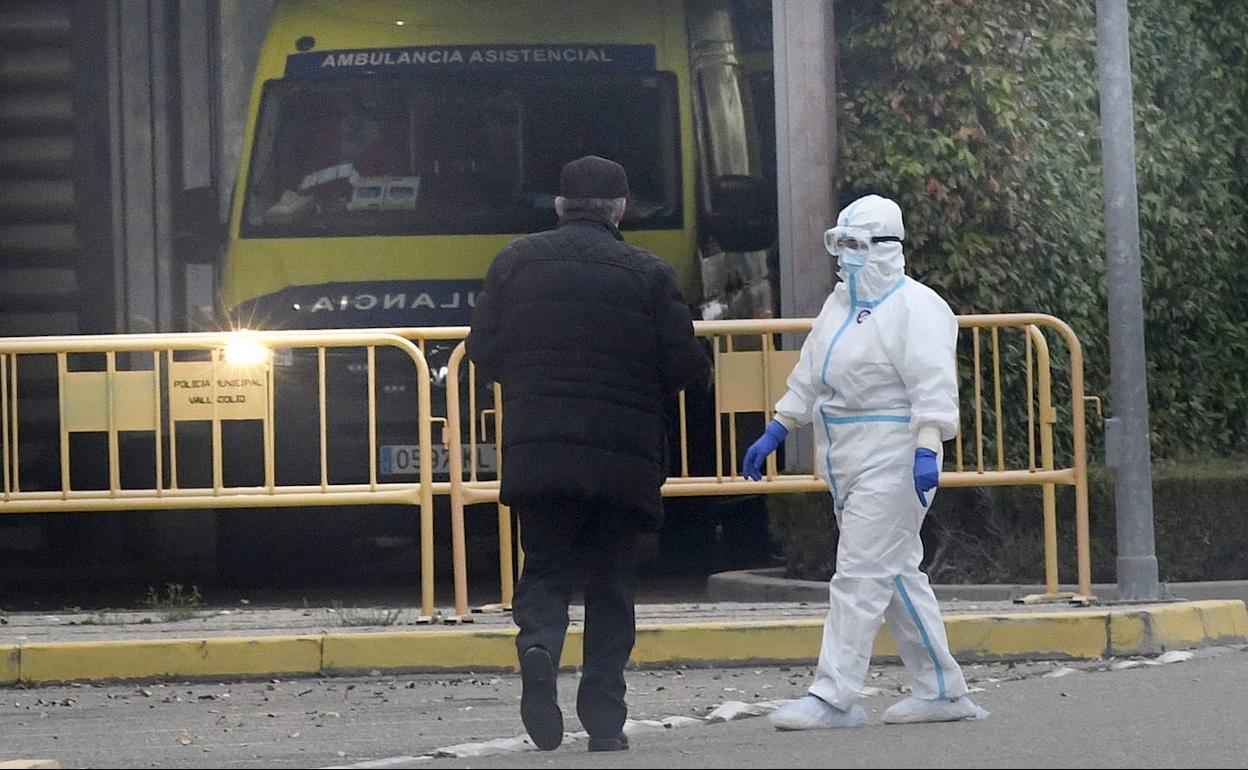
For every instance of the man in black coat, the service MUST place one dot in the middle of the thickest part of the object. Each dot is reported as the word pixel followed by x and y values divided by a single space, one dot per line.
pixel 587 336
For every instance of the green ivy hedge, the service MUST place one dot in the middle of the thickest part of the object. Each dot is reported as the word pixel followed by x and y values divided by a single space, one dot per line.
pixel 996 534
pixel 981 118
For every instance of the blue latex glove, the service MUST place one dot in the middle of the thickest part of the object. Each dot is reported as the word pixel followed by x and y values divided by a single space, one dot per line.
pixel 926 473
pixel 756 455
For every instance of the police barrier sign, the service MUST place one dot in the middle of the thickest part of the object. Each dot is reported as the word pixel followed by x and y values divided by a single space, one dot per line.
pixel 202 390
pixel 100 401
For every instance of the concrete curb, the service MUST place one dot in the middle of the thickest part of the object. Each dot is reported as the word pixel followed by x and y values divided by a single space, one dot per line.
pixel 1070 634
pixel 770 585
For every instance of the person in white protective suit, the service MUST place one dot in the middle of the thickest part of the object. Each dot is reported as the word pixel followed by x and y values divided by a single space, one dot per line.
pixel 876 376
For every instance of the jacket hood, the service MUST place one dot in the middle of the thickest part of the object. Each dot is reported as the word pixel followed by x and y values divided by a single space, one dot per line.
pixel 886 262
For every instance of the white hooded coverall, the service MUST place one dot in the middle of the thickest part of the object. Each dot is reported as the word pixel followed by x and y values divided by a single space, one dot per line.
pixel 876 376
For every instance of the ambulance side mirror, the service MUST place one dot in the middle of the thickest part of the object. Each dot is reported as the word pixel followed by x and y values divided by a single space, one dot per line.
pixel 743 213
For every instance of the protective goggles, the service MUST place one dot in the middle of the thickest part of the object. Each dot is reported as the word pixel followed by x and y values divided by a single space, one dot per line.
pixel 840 240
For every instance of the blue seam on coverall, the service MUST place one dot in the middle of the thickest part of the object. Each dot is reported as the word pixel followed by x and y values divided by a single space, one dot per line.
pixel 849 212
pixel 866 418
pixel 828 461
pixel 927 643
pixel 854 304
pixel 886 295
pixel 828 422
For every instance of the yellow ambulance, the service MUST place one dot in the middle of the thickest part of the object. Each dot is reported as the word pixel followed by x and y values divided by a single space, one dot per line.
pixel 394 146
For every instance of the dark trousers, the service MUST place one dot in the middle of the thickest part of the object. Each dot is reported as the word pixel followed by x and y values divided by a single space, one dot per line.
pixel 568 544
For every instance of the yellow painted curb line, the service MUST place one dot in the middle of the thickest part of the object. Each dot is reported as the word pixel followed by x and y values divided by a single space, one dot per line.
pixel 419 650
pixel 755 641
pixel 1028 635
pixel 1084 634
pixel 30 764
pixel 92 661
pixel 10 663
pixel 1059 634
pixel 1184 624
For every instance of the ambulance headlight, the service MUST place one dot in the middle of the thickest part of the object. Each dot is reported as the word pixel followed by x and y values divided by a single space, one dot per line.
pixel 245 350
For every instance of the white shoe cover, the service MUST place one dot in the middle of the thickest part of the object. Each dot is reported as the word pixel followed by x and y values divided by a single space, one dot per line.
pixel 914 709
pixel 811 713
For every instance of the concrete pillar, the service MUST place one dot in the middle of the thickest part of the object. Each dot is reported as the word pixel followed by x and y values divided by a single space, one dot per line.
pixel 805 77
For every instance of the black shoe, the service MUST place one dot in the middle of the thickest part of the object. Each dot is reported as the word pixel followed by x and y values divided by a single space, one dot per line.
pixel 614 743
pixel 539 707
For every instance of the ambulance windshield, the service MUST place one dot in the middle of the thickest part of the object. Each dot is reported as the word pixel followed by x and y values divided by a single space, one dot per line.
pixel 455 154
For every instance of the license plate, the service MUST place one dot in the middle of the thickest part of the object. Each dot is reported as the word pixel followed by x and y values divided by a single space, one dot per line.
pixel 404 459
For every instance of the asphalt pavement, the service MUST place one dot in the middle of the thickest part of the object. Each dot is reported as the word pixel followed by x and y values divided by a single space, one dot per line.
pixel 1179 709
pixel 274 684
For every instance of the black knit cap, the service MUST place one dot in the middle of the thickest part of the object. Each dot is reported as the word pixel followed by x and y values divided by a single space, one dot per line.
pixel 593 177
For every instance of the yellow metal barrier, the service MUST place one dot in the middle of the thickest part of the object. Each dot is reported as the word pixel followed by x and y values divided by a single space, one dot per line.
pixel 750 374
pixel 1047 474
pixel 166 381
pixel 485 420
